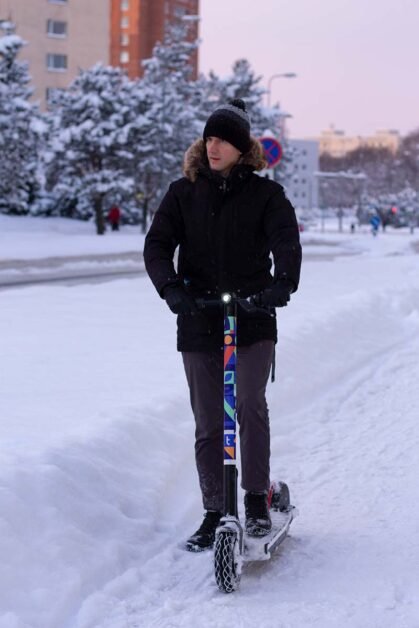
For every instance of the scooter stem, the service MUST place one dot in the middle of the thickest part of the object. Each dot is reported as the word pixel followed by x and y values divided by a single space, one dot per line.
pixel 230 412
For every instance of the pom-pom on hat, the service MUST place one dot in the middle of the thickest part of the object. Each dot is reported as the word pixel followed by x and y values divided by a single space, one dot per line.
pixel 231 123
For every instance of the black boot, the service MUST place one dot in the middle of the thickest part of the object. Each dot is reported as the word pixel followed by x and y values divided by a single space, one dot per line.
pixel 258 520
pixel 204 537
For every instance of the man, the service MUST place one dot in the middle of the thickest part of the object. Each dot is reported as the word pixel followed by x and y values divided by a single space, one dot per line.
pixel 226 220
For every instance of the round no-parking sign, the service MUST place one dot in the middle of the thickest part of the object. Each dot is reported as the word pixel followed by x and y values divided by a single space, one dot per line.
pixel 272 149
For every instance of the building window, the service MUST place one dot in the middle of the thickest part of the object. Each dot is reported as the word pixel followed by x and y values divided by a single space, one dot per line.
pixel 124 5
pixel 124 39
pixel 303 167
pixel 124 21
pixel 56 29
pixel 124 56
pixel 58 1
pixel 57 63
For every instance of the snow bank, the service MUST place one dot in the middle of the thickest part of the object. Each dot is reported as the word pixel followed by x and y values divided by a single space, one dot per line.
pixel 27 237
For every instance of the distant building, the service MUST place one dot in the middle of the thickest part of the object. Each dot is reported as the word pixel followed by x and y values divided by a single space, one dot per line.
pixel 337 144
pixel 302 186
pixel 64 36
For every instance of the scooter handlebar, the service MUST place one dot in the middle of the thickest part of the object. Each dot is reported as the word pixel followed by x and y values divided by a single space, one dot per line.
pixel 246 303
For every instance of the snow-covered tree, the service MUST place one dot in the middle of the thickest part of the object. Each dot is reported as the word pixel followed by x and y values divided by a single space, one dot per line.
pixel 143 151
pixel 88 160
pixel 408 161
pixel 399 209
pixel 116 140
pixel 175 102
pixel 21 128
pixel 387 173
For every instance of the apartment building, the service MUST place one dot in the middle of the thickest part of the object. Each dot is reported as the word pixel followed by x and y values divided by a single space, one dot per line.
pixel 302 187
pixel 336 143
pixel 64 36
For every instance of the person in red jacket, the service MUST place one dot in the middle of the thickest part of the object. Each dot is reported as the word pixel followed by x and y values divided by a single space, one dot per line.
pixel 114 216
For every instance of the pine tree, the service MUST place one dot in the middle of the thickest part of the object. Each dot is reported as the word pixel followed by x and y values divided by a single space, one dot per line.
pixel 144 161
pixel 176 101
pixel 89 157
pixel 21 128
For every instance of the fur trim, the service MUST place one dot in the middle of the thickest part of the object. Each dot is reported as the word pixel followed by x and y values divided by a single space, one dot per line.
pixel 196 158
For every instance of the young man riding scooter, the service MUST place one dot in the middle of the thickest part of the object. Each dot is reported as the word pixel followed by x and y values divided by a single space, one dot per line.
pixel 227 221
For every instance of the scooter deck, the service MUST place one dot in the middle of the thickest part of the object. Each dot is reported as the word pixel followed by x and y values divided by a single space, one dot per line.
pixel 261 548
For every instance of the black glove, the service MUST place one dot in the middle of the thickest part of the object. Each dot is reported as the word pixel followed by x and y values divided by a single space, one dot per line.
pixel 276 295
pixel 179 301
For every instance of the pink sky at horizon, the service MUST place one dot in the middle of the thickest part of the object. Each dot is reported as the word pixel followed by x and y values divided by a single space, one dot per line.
pixel 356 60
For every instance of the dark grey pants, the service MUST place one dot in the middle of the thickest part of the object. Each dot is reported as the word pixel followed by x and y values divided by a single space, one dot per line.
pixel 204 372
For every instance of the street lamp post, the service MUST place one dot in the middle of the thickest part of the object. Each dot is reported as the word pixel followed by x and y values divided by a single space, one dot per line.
pixel 274 76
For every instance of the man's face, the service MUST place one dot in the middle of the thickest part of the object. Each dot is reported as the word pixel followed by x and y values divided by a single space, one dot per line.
pixel 222 155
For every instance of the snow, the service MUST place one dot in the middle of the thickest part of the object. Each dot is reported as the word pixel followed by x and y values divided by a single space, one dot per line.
pixel 97 481
pixel 33 238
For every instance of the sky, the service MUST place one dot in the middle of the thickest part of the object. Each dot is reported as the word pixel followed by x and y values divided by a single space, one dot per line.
pixel 356 60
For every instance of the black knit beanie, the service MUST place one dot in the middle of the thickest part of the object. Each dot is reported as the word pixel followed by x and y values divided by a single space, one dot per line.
pixel 231 123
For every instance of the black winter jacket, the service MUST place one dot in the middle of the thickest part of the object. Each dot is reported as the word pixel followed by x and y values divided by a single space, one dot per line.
pixel 225 230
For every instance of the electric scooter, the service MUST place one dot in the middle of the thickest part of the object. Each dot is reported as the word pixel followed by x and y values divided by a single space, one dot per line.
pixel 233 546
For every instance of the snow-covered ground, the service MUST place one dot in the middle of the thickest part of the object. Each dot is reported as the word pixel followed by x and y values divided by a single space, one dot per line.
pixel 23 238
pixel 43 249
pixel 97 481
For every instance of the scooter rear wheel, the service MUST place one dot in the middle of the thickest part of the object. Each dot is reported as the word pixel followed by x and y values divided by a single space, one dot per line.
pixel 279 497
pixel 227 560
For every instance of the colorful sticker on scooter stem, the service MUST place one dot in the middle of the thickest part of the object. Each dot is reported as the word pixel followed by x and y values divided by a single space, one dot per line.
pixel 229 373
pixel 229 446
pixel 229 414
pixel 230 400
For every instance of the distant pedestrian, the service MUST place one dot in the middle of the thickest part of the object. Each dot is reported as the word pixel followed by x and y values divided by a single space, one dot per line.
pixel 114 217
pixel 375 223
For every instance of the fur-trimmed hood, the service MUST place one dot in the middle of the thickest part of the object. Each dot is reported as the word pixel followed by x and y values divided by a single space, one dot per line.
pixel 196 158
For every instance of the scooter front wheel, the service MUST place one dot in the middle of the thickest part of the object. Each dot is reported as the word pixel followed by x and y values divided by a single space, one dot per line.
pixel 227 560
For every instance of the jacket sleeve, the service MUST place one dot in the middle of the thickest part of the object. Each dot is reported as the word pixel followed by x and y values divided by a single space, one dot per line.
pixel 161 241
pixel 283 235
